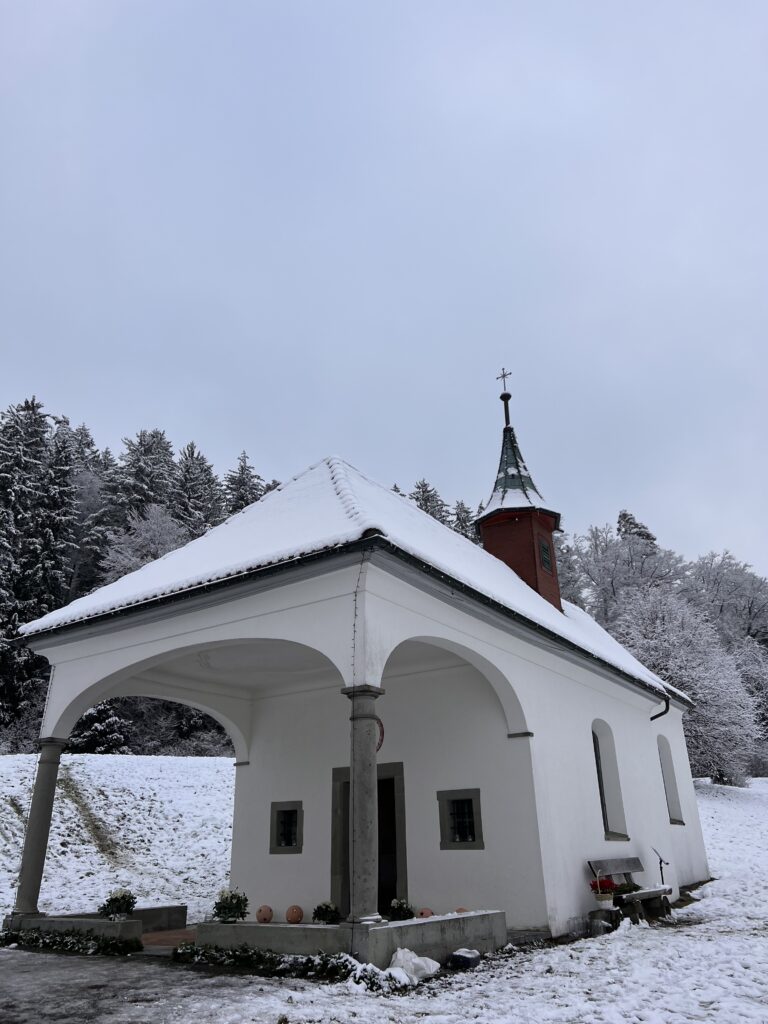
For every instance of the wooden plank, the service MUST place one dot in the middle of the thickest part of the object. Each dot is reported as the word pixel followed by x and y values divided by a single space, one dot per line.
pixel 643 894
pixel 616 866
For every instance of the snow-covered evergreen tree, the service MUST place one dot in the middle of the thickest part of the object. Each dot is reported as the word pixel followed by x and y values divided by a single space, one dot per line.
pixel 148 473
pixel 37 513
pixel 463 521
pixel 149 536
pixel 628 526
pixel 199 498
pixel 101 730
pixel 242 485
pixel 429 501
pixel 57 519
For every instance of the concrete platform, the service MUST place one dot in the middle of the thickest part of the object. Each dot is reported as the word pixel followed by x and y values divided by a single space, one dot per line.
pixel 171 920
pixel 436 937
pixel 128 929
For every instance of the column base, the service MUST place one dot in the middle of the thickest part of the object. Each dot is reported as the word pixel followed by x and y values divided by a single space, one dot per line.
pixel 13 922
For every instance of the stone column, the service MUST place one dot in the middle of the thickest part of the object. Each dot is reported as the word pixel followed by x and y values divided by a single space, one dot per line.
pixel 363 805
pixel 38 826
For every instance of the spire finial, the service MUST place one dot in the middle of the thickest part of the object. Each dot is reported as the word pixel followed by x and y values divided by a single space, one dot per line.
pixel 505 395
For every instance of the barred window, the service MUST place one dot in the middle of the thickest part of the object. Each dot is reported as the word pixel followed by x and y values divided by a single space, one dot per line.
pixel 286 827
pixel 462 821
pixel 461 826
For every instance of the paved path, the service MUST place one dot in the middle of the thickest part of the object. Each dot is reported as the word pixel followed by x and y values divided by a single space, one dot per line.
pixel 36 988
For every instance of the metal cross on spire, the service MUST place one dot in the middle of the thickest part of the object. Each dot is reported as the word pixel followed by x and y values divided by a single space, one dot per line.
pixel 505 395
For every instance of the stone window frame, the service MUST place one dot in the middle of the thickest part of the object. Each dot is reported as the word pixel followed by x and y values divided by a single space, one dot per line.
pixel 276 807
pixel 444 798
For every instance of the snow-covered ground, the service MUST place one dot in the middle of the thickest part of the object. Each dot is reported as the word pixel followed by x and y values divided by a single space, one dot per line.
pixel 713 966
pixel 160 825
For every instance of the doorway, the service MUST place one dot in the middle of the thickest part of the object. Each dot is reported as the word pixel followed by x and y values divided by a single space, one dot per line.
pixel 393 879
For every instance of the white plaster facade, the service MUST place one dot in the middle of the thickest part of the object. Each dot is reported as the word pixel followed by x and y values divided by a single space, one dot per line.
pixel 474 698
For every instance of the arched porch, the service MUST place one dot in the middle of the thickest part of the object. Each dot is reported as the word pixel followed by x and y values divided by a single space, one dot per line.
pixel 224 679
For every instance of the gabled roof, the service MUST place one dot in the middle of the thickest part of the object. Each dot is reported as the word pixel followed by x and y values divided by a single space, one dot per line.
pixel 324 508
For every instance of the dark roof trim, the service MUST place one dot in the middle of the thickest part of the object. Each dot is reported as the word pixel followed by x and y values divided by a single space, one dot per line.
pixel 371 542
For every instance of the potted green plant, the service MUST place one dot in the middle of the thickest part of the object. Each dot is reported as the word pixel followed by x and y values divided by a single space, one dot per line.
pixel 230 906
pixel 401 910
pixel 326 913
pixel 118 905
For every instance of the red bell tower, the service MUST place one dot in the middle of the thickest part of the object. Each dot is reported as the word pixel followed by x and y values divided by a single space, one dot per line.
pixel 515 526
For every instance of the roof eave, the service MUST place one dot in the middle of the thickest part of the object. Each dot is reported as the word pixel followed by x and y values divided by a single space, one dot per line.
pixel 370 541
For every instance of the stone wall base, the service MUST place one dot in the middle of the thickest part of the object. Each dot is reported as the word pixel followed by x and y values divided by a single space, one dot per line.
pixel 436 937
pixel 129 929
pixel 146 919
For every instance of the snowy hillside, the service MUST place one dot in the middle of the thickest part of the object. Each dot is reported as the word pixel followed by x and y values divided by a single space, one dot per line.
pixel 173 815
pixel 161 825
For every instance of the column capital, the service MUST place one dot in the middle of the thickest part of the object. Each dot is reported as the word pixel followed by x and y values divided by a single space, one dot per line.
pixel 53 741
pixel 364 690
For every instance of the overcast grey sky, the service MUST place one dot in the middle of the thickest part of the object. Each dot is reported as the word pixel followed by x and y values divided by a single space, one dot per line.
pixel 322 228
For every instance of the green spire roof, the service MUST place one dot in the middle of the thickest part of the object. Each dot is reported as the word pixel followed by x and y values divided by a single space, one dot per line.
pixel 514 487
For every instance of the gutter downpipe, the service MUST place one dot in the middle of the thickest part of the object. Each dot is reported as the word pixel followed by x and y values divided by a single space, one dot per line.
pixel 660 714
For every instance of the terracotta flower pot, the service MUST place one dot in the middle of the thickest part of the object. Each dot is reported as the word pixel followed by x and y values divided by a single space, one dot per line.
pixel 294 915
pixel 426 912
pixel 264 914
pixel 461 910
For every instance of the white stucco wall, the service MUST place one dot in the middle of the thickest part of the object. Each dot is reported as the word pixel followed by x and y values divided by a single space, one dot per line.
pixel 540 803
pixel 447 729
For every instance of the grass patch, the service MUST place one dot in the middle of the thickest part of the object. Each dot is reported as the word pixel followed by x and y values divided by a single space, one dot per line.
pixel 94 826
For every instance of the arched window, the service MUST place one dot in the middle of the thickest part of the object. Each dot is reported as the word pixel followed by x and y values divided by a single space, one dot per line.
pixel 608 784
pixel 670 782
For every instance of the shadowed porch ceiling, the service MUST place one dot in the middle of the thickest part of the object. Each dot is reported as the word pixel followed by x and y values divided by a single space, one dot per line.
pixel 269 667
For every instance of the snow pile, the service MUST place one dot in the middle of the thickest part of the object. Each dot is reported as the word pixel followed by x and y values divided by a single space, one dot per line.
pixel 326 506
pixel 415 968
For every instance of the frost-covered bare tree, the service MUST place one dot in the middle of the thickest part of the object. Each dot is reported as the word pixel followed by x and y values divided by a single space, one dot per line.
pixel 148 536
pixel 604 565
pixel 679 643
pixel 752 661
pixel 734 596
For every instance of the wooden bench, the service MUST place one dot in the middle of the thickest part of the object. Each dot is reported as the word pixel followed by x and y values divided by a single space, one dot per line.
pixel 651 901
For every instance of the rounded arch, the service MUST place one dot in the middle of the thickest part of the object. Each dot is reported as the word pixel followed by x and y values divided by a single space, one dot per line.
pixel 505 693
pixel 608 781
pixel 219 678
pixel 674 807
pixel 95 694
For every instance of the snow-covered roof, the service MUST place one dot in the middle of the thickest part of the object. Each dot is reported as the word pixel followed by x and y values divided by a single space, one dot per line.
pixel 514 486
pixel 329 505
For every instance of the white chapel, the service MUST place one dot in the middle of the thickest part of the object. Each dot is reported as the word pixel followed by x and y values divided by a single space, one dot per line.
pixel 414 716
